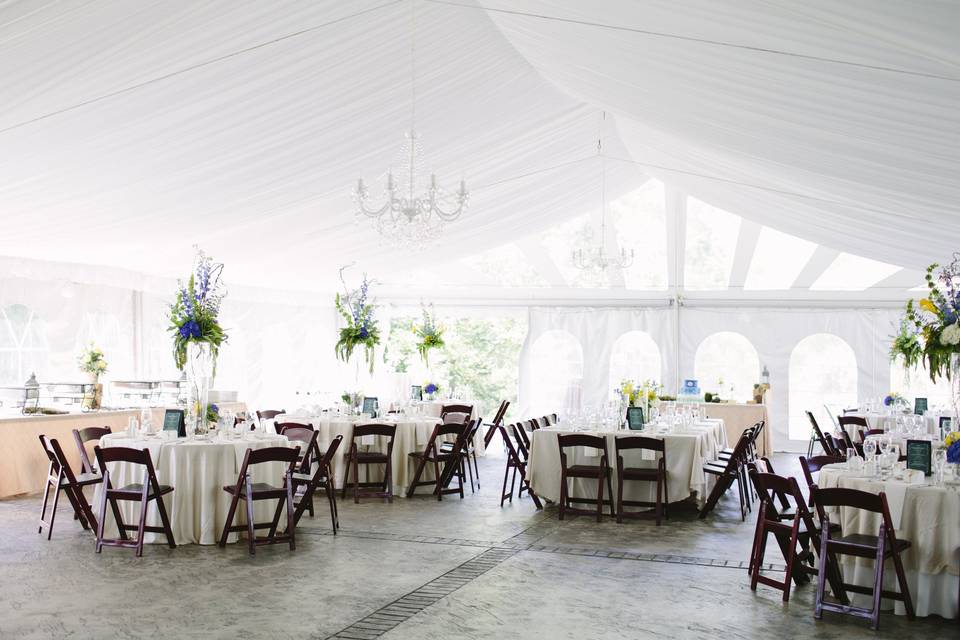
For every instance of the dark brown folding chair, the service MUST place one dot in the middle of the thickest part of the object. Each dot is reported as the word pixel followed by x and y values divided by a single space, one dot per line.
pixel 355 457
pixel 727 473
pixel 810 466
pixel 869 432
pixel 848 426
pixel 599 472
pixel 145 491
pixel 268 414
pixel 447 409
pixel 818 436
pixel 657 473
pixel 791 525
pixel 307 437
pixel 306 484
pixel 81 437
pixel 551 419
pixel 440 460
pixel 280 426
pixel 518 465
pixel 249 491
pixel 885 545
pixel 493 427
pixel 60 477
pixel 469 450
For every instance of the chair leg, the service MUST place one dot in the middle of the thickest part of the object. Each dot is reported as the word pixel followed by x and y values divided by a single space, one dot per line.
pixel 790 556
pixel 388 480
pixel 878 583
pixel 476 468
pixel 231 512
pixel 46 496
pixel 421 463
pixel 608 473
pixel 142 523
pixel 620 494
pixel 658 514
pixel 347 461
pixel 563 493
pixel 503 490
pixel 756 554
pixel 332 499
pixel 103 518
pixel 165 521
pixel 600 496
pixel 291 530
pixel 439 488
pixel 904 588
pixel 356 480
pixel 825 561
pixel 53 511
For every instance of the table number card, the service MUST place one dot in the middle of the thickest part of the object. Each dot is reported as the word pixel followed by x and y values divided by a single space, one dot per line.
pixel 946 422
pixel 635 418
pixel 919 406
pixel 173 421
pixel 919 453
pixel 416 392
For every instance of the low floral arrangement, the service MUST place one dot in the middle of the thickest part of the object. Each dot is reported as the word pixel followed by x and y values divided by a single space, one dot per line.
pixel 430 334
pixel 194 316
pixel 352 398
pixel 431 388
pixel 213 413
pixel 930 330
pixel 92 361
pixel 894 399
pixel 361 329
pixel 952 443
pixel 635 393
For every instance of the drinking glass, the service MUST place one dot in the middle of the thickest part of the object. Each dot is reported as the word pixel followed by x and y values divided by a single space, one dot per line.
pixel 939 461
pixel 146 418
pixel 851 454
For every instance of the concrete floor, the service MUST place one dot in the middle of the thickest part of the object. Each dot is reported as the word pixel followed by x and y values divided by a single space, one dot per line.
pixel 419 569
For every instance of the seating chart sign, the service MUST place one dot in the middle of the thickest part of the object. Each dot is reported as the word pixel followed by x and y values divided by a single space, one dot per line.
pixel 918 455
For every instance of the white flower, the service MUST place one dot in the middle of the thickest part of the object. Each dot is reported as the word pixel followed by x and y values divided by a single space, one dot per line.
pixel 950 335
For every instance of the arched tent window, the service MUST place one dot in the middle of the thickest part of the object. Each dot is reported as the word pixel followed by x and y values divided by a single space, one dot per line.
pixel 556 366
pixel 823 371
pixel 23 345
pixel 919 385
pixel 728 364
pixel 635 356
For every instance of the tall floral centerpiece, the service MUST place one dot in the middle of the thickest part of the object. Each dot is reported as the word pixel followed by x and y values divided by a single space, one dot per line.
pixel 361 328
pixel 94 364
pixel 429 334
pixel 930 330
pixel 197 335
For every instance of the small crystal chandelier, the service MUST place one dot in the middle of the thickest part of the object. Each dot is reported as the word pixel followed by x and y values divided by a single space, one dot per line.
pixel 408 216
pixel 597 258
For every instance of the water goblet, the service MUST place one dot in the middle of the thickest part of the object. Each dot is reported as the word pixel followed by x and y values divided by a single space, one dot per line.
pixel 939 462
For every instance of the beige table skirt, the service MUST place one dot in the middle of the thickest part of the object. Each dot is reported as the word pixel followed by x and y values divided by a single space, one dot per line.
pixel 737 417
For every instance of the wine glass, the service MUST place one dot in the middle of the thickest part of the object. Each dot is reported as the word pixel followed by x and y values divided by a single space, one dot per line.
pixel 146 419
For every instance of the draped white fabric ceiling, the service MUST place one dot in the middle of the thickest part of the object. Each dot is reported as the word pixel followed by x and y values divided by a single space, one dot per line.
pixel 131 131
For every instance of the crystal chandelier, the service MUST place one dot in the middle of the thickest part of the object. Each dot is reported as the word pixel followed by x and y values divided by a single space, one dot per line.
pixel 407 214
pixel 597 258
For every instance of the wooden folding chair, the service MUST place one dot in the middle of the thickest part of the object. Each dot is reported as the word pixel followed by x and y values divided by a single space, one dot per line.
pixel 493 426
pixel 469 451
pixel 305 484
pixel 516 463
pixel 885 545
pixel 817 436
pixel 355 458
pixel 249 491
pixel 657 474
pixel 60 478
pixel 441 460
pixel 280 426
pixel 81 437
pixel 144 492
pixel 448 409
pixel 728 472
pixel 599 472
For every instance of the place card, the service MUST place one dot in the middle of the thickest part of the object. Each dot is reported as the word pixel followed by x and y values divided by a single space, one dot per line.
pixel 919 453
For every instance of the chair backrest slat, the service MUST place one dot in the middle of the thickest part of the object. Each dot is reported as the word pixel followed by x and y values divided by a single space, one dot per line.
pixel 81 437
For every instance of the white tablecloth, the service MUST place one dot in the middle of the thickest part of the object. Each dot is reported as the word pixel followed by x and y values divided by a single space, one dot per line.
pixel 927 516
pixel 685 452
pixel 198 471
pixel 412 435
pixel 887 423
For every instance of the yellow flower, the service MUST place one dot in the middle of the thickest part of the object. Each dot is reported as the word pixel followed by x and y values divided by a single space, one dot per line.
pixel 926 305
pixel 951 438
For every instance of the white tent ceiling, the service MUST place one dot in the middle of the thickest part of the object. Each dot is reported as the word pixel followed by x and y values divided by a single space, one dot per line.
pixel 131 131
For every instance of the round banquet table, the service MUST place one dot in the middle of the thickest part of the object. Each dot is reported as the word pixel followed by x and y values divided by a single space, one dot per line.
pixel 197 470
pixel 925 514
pixel 686 452
pixel 412 435
pixel 931 421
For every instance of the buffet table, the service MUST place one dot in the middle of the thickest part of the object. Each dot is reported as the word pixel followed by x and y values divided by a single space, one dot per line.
pixel 925 514
pixel 737 417
pixel 24 462
pixel 686 452
pixel 198 470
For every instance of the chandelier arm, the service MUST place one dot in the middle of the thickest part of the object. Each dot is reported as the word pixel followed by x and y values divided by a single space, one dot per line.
pixel 449 216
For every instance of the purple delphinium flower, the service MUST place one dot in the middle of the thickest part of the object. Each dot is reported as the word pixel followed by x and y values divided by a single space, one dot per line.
pixel 887 401
pixel 190 329
pixel 430 388
pixel 953 453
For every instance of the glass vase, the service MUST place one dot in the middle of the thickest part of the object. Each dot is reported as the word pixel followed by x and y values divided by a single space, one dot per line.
pixel 199 370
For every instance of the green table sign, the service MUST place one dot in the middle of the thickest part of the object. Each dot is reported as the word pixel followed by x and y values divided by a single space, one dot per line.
pixel 635 418
pixel 173 421
pixel 919 406
pixel 918 455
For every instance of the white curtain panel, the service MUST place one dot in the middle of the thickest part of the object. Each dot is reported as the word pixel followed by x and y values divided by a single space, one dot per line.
pixel 833 121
